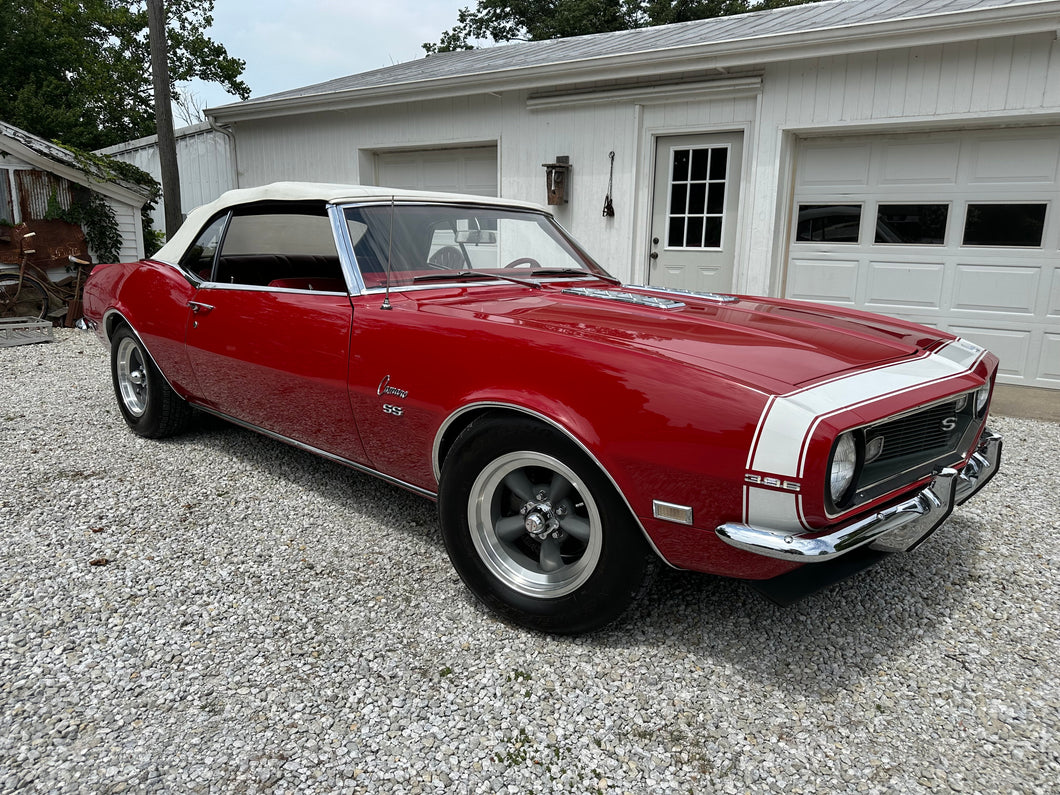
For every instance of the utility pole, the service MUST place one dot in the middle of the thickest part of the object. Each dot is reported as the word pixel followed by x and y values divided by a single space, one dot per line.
pixel 167 144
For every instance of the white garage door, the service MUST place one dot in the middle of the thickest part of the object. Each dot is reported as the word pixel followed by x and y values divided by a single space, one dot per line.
pixel 466 170
pixel 957 230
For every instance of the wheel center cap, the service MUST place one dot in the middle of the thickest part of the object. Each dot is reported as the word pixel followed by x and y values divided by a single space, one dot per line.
pixel 539 520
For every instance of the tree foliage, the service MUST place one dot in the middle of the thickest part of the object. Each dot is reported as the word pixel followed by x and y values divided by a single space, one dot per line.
pixel 535 20
pixel 79 71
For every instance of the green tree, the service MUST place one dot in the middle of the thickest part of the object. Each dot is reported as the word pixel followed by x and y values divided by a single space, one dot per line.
pixel 535 20
pixel 79 71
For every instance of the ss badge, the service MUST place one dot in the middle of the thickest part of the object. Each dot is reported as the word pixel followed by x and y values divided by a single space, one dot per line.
pixel 397 411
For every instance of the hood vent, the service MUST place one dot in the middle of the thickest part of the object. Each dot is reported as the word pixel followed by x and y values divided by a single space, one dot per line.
pixel 717 297
pixel 625 298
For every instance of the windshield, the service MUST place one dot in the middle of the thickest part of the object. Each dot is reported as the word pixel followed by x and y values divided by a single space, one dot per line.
pixel 431 243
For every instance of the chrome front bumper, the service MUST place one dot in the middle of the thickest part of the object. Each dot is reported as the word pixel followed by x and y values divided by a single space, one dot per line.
pixel 896 529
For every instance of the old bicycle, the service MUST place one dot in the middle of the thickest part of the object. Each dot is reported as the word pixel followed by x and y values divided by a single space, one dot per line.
pixel 29 292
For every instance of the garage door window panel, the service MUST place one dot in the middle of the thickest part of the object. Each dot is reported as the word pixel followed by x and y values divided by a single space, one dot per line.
pixel 698 187
pixel 828 223
pixel 912 224
pixel 1015 225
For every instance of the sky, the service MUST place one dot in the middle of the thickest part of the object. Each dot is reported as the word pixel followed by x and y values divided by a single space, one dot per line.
pixel 293 44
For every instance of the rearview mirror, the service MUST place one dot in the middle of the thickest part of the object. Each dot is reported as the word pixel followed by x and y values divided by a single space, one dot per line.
pixel 476 236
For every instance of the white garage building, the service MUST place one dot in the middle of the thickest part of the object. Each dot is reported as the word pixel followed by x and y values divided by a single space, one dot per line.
pixel 901 156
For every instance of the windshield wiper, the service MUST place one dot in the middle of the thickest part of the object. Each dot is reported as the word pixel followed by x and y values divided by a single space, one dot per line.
pixel 442 276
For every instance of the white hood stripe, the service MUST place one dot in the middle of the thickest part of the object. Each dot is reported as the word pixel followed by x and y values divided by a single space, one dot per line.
pixel 788 422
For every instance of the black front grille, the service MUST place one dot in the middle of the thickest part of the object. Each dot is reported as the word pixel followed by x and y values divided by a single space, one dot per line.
pixel 934 428
pixel 913 446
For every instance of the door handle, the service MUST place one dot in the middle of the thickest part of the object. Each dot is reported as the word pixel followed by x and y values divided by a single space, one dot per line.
pixel 654 255
pixel 199 309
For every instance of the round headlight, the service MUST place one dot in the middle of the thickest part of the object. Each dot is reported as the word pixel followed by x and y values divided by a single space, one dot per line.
pixel 844 464
pixel 982 396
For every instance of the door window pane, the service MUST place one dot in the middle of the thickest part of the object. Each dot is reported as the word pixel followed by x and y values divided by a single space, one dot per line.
pixel 199 258
pixel 1004 225
pixel 719 159
pixel 697 199
pixel 700 163
pixel 912 224
pixel 676 236
pixel 712 233
pixel 698 187
pixel 828 223
pixel 679 198
pixel 681 158
pixel 694 238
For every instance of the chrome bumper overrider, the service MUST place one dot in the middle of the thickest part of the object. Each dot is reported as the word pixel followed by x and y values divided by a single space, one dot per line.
pixel 896 529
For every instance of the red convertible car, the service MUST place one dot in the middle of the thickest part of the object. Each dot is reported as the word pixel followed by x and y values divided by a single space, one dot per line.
pixel 571 428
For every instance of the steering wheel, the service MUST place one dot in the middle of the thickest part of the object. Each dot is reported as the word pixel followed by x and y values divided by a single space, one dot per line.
pixel 447 258
pixel 515 263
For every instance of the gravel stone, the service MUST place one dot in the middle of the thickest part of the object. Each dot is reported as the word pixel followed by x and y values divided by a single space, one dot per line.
pixel 267 621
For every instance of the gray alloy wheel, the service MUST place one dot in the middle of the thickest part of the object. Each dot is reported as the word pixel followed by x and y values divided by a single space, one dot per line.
pixel 535 528
pixel 534 524
pixel 147 403
pixel 131 376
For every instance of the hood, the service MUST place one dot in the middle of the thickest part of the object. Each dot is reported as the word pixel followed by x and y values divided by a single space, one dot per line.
pixel 773 344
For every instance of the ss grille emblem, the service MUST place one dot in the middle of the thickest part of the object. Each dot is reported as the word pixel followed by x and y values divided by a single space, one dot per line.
pixel 949 424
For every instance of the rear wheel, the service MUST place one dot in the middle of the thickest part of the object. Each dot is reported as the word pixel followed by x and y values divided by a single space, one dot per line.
pixel 148 404
pixel 536 530
pixel 22 298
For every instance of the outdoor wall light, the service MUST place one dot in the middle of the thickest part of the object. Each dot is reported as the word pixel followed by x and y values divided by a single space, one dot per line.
pixel 557 180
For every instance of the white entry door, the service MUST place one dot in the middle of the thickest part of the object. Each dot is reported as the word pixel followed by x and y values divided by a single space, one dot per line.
pixel 697 193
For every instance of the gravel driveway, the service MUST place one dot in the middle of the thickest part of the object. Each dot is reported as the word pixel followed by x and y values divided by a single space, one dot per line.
pixel 268 621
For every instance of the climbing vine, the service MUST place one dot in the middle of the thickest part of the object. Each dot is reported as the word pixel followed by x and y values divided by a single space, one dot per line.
pixel 95 216
pixel 93 213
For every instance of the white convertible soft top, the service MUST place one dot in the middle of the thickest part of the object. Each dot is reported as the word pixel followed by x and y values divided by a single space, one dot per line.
pixel 173 250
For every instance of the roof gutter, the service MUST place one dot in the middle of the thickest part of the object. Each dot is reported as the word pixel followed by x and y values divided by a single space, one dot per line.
pixel 949 28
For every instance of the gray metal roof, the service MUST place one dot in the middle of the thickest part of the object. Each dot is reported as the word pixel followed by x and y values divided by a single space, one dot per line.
pixel 815 17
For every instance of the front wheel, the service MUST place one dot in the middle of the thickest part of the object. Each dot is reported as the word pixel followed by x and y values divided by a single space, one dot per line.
pixel 536 530
pixel 148 404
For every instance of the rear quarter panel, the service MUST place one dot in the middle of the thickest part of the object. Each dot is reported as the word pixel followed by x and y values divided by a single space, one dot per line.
pixel 153 298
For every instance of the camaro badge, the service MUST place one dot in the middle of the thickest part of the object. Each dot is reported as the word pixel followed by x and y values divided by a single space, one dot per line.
pixel 386 389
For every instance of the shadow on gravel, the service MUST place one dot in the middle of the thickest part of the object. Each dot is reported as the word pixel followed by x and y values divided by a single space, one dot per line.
pixel 355 492
pixel 848 632
pixel 830 640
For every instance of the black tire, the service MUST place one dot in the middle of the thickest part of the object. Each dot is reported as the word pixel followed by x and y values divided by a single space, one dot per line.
pixel 28 301
pixel 536 531
pixel 148 404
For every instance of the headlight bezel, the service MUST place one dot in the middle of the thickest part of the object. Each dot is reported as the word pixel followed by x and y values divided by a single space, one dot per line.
pixel 848 449
pixel 982 398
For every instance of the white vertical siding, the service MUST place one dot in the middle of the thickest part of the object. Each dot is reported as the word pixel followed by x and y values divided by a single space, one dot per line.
pixel 205 162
